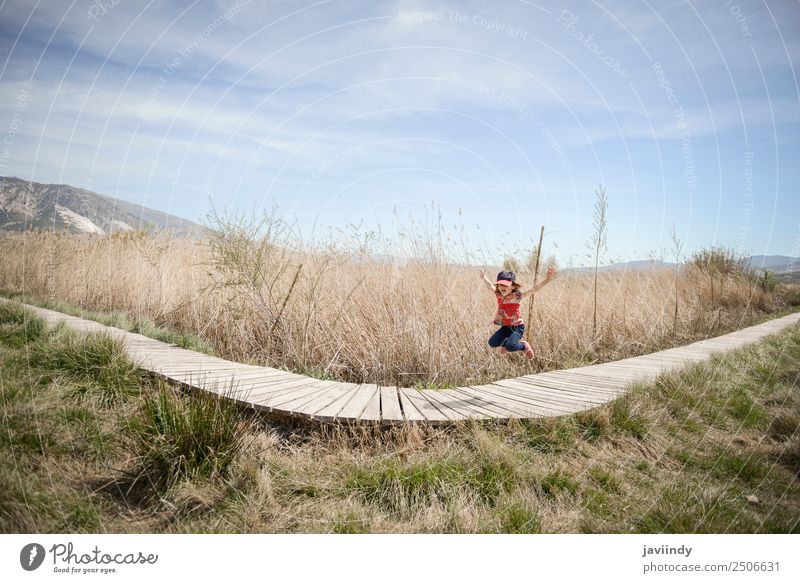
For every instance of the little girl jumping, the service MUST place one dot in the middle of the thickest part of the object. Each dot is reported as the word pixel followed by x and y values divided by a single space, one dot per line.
pixel 509 317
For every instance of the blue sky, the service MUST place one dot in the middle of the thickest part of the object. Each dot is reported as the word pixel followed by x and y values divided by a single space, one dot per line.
pixel 500 116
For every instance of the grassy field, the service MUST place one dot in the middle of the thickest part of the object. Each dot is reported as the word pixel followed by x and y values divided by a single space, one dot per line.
pixel 89 443
pixel 335 311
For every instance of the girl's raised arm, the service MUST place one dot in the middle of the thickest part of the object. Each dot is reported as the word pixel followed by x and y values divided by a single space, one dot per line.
pixel 486 280
pixel 551 273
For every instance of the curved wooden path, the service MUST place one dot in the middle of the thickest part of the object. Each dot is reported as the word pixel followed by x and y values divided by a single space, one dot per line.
pixel 284 393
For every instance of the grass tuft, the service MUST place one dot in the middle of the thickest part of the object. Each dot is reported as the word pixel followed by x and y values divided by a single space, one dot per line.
pixel 96 363
pixel 742 407
pixel 519 518
pixel 350 524
pixel 684 508
pixel 554 483
pixel 400 487
pixel 548 436
pixel 626 420
pixel 19 326
pixel 197 436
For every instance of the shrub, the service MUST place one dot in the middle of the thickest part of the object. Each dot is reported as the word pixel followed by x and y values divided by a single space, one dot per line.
pixel 18 325
pixel 96 361
pixel 186 437
pixel 720 261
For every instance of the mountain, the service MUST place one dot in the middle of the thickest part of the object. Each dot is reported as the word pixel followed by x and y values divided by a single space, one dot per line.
pixel 32 205
pixel 637 265
pixel 775 263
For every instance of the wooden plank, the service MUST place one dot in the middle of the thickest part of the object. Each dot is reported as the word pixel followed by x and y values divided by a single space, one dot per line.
pixel 170 362
pixel 633 364
pixel 578 391
pixel 289 402
pixel 556 404
pixel 212 374
pixel 669 362
pixel 541 391
pixel 668 356
pixel 491 395
pixel 258 390
pixel 281 396
pixel 447 406
pixel 571 383
pixel 198 376
pixel 211 365
pixel 532 394
pixel 568 392
pixel 235 389
pixel 674 353
pixel 695 355
pixel 269 378
pixel 372 412
pixel 592 373
pixel 391 412
pixel 629 376
pixel 479 402
pixel 595 382
pixel 277 401
pixel 476 408
pixel 198 381
pixel 409 410
pixel 218 386
pixel 356 405
pixel 635 374
pixel 494 393
pixel 432 414
pixel 255 380
pixel 334 394
pixel 204 366
pixel 610 374
pixel 328 413
pixel 612 368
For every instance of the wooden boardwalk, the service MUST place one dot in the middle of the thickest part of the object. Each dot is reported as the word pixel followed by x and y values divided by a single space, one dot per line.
pixel 283 393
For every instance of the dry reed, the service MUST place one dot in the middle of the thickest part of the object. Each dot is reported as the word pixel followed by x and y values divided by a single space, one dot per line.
pixel 422 321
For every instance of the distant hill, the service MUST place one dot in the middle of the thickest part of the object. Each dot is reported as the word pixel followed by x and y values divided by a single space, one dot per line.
pixel 31 205
pixel 637 265
pixel 775 263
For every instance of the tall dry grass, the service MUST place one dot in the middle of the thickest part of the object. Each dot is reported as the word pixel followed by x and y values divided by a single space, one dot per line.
pixel 421 321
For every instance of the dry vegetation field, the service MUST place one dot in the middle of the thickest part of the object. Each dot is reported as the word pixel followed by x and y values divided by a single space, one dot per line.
pixel 333 311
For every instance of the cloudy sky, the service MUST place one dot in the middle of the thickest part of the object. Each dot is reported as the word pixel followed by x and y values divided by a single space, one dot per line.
pixel 500 116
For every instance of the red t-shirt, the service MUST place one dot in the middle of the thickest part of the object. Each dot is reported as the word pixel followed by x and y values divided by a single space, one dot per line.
pixel 508 309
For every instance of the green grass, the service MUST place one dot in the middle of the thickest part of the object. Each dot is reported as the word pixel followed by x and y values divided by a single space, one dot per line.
pixel 192 437
pixel 686 508
pixel 625 420
pixel 743 407
pixel 96 364
pixel 518 518
pixel 556 483
pixel 18 325
pixel 350 523
pixel 400 487
pixel 549 436
pixel 606 480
